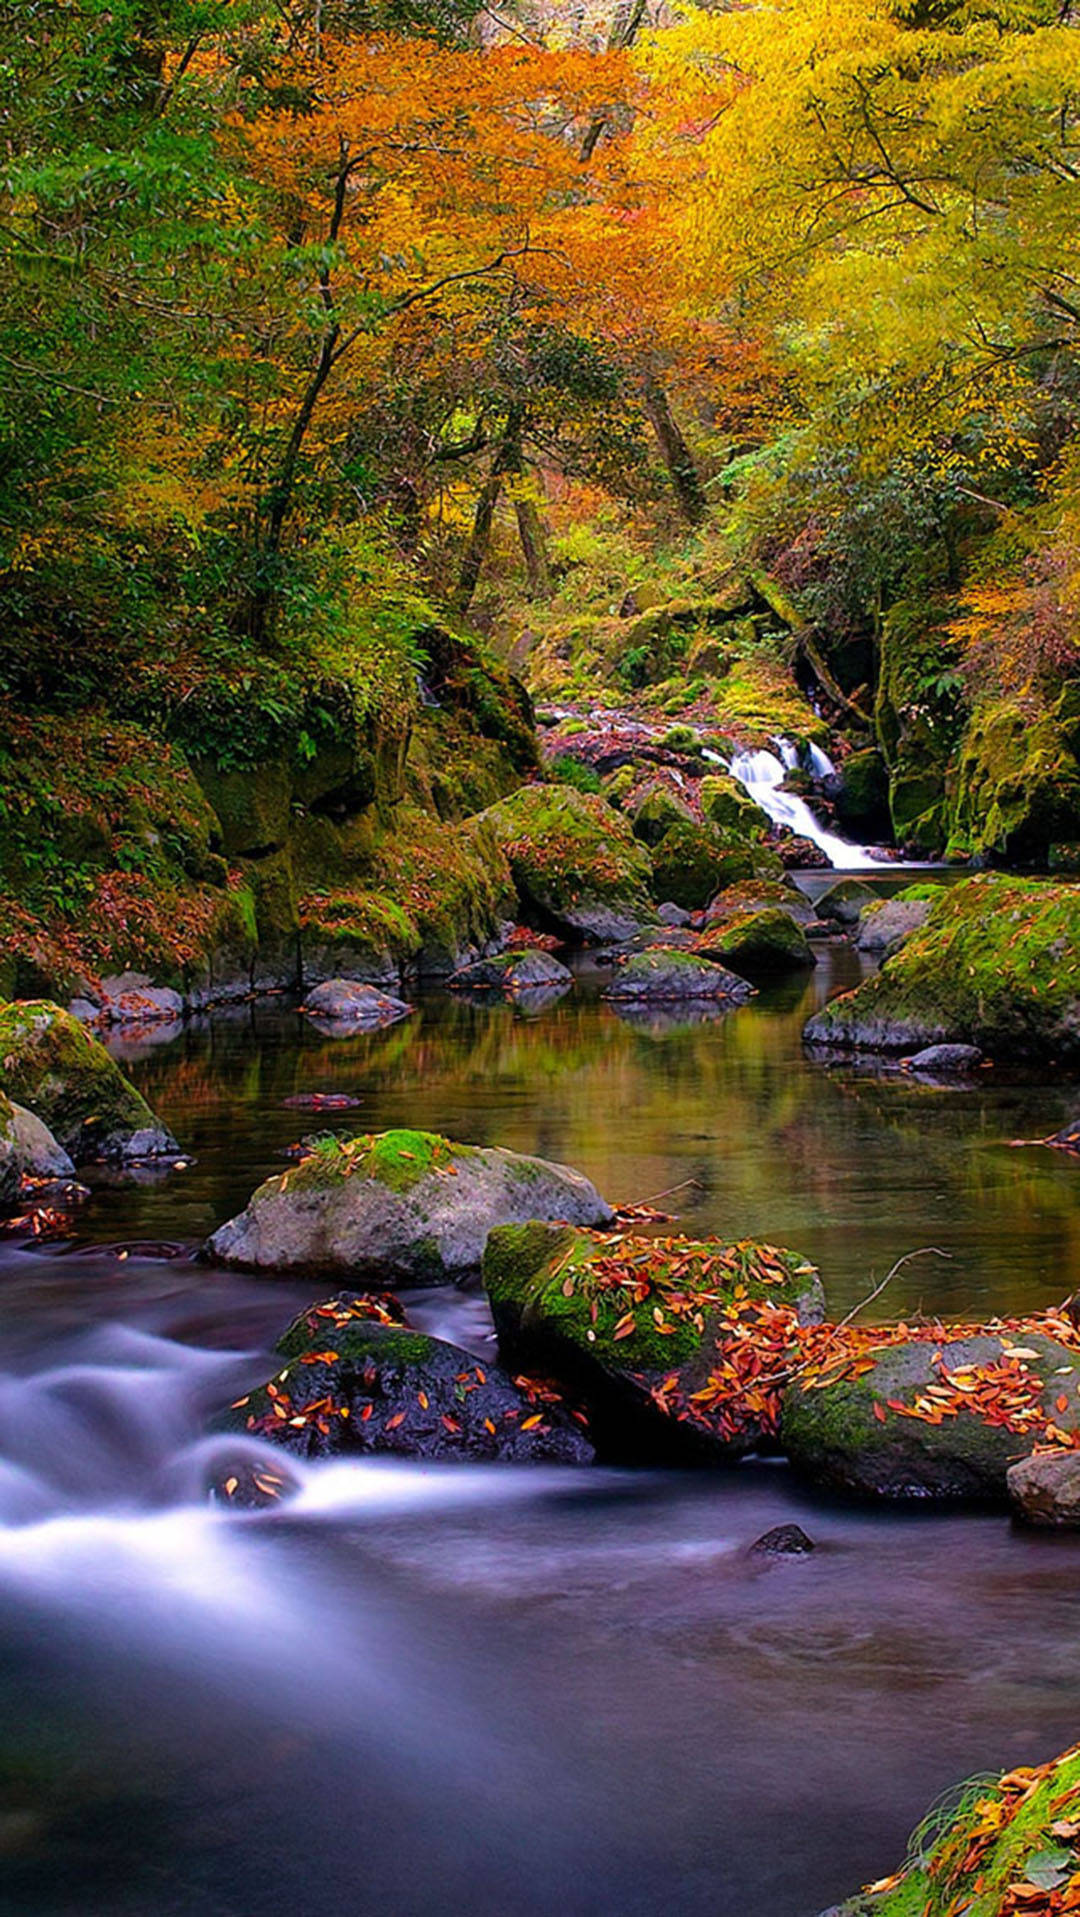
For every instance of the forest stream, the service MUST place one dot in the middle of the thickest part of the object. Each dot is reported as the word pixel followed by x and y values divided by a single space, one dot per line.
pixel 425 1689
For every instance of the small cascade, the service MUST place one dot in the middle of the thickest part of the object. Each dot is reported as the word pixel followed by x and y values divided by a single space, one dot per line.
pixel 821 765
pixel 762 773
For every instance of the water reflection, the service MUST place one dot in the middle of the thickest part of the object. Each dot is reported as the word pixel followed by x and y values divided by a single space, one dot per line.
pixel 851 1166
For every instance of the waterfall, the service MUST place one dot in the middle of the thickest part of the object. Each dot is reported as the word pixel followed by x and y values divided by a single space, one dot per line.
pixel 762 773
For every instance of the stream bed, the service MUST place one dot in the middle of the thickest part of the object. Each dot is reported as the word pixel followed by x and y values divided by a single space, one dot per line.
pixel 421 1690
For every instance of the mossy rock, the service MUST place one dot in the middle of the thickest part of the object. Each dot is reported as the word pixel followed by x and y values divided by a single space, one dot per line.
pixel 770 940
pixel 692 863
pixel 862 805
pixel 645 1329
pixel 844 901
pixel 656 813
pixel 666 974
pixel 761 895
pixel 619 784
pixel 511 973
pixel 726 804
pixel 397 1207
pixel 1016 788
pixel 1002 1840
pixel 375 1388
pixel 319 1324
pixel 997 965
pixel 575 862
pixel 51 1064
pixel 856 1432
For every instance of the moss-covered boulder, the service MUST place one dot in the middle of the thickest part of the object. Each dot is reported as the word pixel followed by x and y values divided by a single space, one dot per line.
pixel 727 805
pixel 759 895
pixel 997 965
pixel 664 973
pixel 1016 787
pixel 524 969
pixel 677 1345
pixel 932 1414
pixel 693 862
pixel 319 1324
pixel 51 1064
pixel 770 940
pixel 656 812
pixel 1008 1845
pixel 575 862
pixel 862 803
pixel 368 1387
pixel 843 902
pixel 398 1207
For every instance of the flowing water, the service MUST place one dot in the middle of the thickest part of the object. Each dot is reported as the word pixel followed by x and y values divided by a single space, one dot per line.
pixel 424 1690
pixel 762 773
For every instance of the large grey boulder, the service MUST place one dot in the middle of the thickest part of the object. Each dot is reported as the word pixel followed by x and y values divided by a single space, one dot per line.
pixel 27 1150
pixel 884 924
pixel 399 1207
pixel 1045 1490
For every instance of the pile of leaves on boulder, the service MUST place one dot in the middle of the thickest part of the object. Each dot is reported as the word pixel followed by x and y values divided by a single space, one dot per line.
pixel 687 1348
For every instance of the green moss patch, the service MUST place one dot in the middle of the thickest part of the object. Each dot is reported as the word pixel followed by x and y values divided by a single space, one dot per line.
pixel 996 1845
pixel 49 1063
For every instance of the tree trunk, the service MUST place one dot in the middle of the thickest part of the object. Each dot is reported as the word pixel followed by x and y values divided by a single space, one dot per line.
pixel 508 463
pixel 479 538
pixel 677 455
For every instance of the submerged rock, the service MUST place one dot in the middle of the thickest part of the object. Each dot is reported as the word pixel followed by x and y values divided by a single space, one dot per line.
pixel 574 861
pixel 1045 1491
pixel 997 965
pixel 676 1345
pixel 693 862
pixel 343 1001
pixel 945 1059
pixel 1066 1140
pixel 399 1207
pixel 523 970
pixel 783 1541
pixel 939 1416
pixel 369 1387
pixel 51 1064
pixel 665 973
